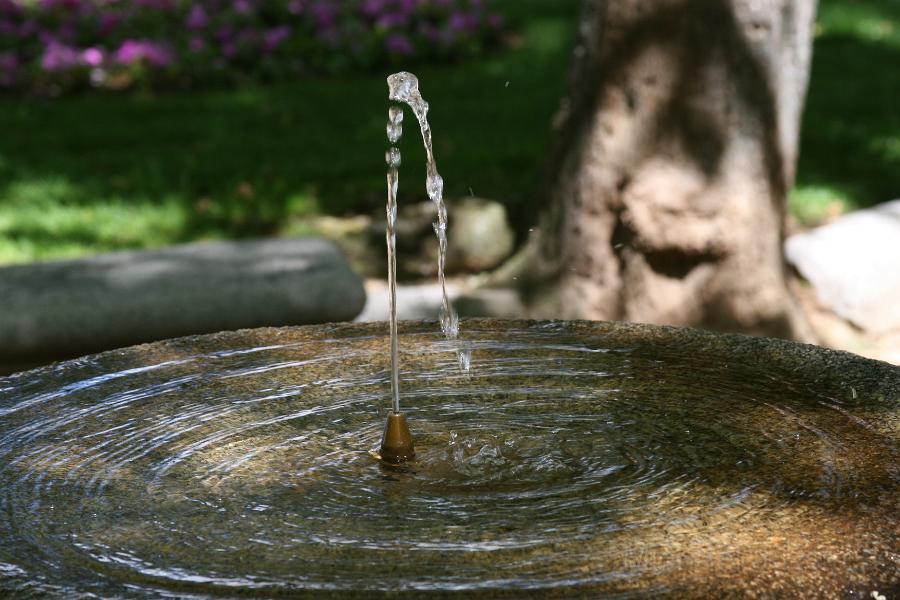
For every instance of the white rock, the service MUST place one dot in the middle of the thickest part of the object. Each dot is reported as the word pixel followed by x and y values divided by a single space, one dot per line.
pixel 854 265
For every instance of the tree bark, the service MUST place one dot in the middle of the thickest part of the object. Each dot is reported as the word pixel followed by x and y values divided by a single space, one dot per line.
pixel 674 152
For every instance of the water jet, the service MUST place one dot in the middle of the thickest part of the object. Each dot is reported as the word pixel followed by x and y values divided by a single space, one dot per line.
pixel 397 445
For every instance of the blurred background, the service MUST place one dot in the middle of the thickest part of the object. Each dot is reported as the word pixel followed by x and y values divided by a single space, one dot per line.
pixel 141 124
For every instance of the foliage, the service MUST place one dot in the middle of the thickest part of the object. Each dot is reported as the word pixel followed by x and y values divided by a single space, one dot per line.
pixel 97 172
pixel 850 141
pixel 51 45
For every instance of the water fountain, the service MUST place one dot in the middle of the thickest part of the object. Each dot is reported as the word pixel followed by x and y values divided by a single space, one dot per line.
pixel 573 459
pixel 396 443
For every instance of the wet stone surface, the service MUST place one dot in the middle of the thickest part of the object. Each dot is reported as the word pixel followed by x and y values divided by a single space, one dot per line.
pixel 575 459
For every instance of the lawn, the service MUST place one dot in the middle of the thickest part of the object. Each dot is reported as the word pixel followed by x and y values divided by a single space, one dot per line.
pixel 850 149
pixel 98 172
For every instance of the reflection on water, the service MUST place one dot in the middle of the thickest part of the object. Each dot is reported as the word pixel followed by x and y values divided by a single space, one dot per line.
pixel 574 458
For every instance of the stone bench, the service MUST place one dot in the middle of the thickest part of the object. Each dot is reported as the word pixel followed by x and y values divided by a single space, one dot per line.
pixel 63 309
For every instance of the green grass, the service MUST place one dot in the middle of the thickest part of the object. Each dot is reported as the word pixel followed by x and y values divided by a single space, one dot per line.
pixel 850 148
pixel 101 172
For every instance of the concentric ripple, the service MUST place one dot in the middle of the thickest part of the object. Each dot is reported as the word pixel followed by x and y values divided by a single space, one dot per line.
pixel 575 459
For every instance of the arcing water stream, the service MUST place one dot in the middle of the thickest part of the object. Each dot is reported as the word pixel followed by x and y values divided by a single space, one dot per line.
pixel 396 443
pixel 404 87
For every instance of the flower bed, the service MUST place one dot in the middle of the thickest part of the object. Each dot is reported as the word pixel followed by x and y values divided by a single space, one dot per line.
pixel 54 45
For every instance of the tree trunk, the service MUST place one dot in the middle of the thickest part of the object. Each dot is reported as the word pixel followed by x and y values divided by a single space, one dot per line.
pixel 674 153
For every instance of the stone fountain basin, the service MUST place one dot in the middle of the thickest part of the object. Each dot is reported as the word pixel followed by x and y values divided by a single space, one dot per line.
pixel 576 459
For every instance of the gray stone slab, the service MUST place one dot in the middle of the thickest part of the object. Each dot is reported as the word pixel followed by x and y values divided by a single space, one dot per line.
pixel 74 307
pixel 854 265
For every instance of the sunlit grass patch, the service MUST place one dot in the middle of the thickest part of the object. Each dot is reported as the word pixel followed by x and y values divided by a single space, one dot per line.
pixel 813 205
pixel 871 20
pixel 37 222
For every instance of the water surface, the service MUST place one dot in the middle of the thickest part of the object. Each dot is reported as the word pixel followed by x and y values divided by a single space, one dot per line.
pixel 575 459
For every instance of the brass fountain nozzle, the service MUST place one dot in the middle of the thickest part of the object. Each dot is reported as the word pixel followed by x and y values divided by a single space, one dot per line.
pixel 397 442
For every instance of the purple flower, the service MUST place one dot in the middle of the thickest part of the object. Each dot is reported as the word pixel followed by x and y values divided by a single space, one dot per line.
pixel 92 57
pixel 67 31
pixel 430 32
pixel 196 18
pixel 372 8
pixel 295 7
pixel 325 15
pixel 243 7
pixel 197 44
pixel 393 20
pixel 229 49
pixel 460 21
pixel 275 37
pixel 69 5
pixel 28 29
pixel 225 33
pixel 160 5
pixel 108 22
pixel 89 37
pixel 9 69
pixel 9 7
pixel 143 51
pixel 9 61
pixel 398 44
pixel 60 57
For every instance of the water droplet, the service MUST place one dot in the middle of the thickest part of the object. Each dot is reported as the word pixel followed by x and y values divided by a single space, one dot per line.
pixel 403 86
pixel 392 157
pixel 465 359
pixel 434 185
pixel 394 132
